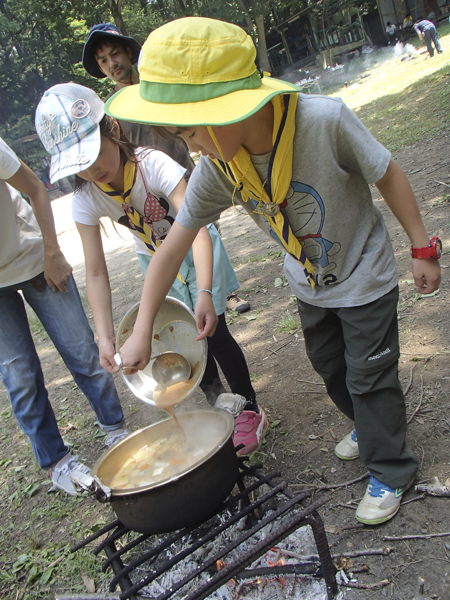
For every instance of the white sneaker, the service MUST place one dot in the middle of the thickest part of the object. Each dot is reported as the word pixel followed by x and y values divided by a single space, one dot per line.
pixel 380 502
pixel 115 436
pixel 347 449
pixel 66 472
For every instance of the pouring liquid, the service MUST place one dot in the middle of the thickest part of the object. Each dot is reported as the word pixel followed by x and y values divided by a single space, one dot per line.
pixel 168 398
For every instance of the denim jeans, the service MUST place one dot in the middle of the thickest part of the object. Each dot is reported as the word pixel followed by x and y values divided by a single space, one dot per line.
pixel 63 318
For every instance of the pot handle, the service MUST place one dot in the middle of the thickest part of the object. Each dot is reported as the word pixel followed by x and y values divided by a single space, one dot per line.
pixel 94 487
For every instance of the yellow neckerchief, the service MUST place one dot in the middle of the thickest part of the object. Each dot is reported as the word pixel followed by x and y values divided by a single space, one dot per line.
pixel 146 233
pixel 241 172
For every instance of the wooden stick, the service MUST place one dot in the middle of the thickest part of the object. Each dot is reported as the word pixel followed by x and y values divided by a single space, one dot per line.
pixel 369 586
pixel 413 499
pixel 368 552
pixel 420 402
pixel 410 379
pixel 427 536
pixel 434 490
pixel 442 183
pixel 311 382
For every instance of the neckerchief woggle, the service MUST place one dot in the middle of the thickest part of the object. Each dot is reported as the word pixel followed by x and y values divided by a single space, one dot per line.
pixel 143 229
pixel 242 174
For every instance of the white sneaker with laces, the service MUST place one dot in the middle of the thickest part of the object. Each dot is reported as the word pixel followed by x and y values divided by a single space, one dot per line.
pixel 115 436
pixel 380 502
pixel 347 449
pixel 66 472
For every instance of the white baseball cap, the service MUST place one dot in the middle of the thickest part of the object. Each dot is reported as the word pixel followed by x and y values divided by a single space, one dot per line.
pixel 67 122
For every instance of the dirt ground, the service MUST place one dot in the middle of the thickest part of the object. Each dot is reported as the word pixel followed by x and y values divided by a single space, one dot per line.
pixel 305 425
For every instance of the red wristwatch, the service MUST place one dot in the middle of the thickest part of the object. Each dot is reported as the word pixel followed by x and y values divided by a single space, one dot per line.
pixel 433 250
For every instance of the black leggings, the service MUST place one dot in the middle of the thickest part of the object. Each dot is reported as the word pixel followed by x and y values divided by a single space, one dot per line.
pixel 223 348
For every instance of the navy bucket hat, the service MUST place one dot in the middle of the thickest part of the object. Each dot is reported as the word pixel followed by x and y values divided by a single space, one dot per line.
pixel 106 30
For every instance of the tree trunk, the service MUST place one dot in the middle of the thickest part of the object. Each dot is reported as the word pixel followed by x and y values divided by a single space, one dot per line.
pixel 249 22
pixel 263 57
pixel 116 11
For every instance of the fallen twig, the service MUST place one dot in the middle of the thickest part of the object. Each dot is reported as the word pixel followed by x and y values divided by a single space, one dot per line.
pixel 420 402
pixel 410 379
pixel 345 484
pixel 311 382
pixel 425 536
pixel 435 489
pixel 366 586
pixel 442 183
pixel 368 552
pixel 413 499
pixel 330 487
pixel 275 351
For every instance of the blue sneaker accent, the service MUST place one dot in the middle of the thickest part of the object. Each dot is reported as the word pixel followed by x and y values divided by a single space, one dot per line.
pixel 354 436
pixel 377 488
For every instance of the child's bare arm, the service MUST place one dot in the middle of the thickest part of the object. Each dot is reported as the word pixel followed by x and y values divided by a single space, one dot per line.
pixel 398 195
pixel 161 273
pixel 99 293
pixel 203 260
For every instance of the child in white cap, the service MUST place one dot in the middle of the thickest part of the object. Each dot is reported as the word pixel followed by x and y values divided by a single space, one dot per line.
pixel 143 189
pixel 301 167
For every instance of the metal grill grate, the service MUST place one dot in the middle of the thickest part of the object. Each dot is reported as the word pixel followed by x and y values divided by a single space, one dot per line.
pixel 139 562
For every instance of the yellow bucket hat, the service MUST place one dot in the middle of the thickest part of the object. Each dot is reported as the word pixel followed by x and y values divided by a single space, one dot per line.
pixel 196 71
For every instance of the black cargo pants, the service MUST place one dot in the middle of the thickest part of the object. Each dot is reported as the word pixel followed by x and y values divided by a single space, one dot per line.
pixel 356 350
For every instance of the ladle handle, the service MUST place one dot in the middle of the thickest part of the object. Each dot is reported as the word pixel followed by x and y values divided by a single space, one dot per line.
pixel 119 363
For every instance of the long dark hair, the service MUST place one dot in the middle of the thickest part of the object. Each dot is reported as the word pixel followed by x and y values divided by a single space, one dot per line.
pixel 108 130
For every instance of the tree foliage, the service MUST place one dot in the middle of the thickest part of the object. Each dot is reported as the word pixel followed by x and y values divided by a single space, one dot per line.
pixel 41 43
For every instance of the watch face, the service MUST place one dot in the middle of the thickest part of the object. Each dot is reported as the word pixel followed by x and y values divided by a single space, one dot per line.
pixel 436 244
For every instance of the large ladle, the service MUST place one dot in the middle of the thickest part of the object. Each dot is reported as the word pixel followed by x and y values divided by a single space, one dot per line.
pixel 168 368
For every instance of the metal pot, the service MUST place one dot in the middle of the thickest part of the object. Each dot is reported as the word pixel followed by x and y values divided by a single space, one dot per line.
pixel 181 501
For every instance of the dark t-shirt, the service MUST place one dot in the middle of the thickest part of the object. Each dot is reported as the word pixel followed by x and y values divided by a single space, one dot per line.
pixel 424 25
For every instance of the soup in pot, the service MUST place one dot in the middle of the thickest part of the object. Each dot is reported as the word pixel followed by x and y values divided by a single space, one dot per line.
pixel 166 457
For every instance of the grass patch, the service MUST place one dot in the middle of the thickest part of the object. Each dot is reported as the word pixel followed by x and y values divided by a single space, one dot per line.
pixel 287 324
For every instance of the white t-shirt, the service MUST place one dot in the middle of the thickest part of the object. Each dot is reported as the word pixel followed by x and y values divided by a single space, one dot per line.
pixel 161 174
pixel 21 248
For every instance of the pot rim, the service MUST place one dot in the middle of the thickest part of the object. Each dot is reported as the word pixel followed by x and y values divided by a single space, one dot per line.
pixel 131 491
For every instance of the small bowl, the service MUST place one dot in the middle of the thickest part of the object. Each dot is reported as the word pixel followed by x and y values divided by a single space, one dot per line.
pixel 174 329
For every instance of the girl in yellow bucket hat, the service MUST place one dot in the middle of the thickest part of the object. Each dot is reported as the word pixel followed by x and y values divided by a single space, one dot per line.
pixel 301 166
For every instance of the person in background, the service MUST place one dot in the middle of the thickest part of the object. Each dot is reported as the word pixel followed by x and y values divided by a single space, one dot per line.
pixel 32 263
pixel 109 53
pixel 428 34
pixel 408 23
pixel 283 157
pixel 391 31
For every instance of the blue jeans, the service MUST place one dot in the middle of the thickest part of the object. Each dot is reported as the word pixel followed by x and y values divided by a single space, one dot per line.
pixel 63 318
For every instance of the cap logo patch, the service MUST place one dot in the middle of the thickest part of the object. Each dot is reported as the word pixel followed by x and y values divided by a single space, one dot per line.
pixel 50 138
pixel 70 161
pixel 80 109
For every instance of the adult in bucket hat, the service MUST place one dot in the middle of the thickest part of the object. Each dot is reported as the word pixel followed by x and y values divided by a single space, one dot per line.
pixel 301 166
pixel 108 53
pixel 107 31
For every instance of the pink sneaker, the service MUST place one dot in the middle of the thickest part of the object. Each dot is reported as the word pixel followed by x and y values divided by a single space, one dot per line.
pixel 249 429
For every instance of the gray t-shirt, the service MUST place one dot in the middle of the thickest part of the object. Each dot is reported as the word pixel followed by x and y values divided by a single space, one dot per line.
pixel 329 205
